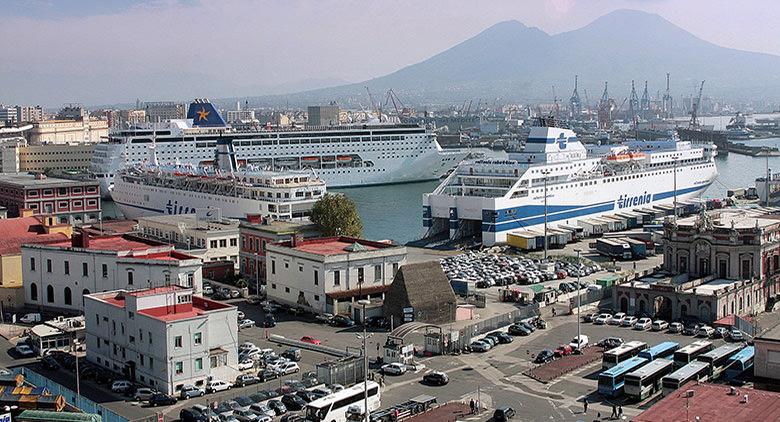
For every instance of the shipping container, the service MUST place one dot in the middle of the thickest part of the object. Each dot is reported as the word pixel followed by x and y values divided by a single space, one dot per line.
pixel 576 231
pixel 632 220
pixel 592 227
pixel 638 247
pixel 613 248
pixel 525 240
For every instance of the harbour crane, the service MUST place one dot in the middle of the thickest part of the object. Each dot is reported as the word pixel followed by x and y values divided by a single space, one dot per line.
pixel 695 107
pixel 374 106
pixel 668 101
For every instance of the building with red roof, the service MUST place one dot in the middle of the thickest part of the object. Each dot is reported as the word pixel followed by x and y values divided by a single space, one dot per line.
pixel 163 337
pixel 330 274
pixel 714 402
pixel 57 275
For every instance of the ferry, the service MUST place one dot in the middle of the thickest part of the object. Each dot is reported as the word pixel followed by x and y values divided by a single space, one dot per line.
pixel 350 155
pixel 145 190
pixel 487 199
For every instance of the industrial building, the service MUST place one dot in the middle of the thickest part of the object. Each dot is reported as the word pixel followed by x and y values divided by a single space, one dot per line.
pixel 68 131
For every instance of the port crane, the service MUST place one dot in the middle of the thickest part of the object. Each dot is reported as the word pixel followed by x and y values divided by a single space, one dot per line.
pixel 668 101
pixel 695 108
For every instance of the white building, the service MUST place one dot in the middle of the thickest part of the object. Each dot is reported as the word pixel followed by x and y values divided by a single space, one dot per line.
pixel 58 334
pixel 331 273
pixel 58 275
pixel 163 337
pixel 215 240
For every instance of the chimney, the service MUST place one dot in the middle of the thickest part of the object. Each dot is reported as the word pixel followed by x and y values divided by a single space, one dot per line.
pixel 296 240
pixel 254 218
pixel 80 240
pixel 26 212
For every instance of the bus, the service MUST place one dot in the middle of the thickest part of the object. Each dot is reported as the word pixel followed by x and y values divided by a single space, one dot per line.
pixel 694 371
pixel 740 362
pixel 333 407
pixel 622 353
pixel 689 353
pixel 661 350
pixel 719 358
pixel 646 381
pixel 611 381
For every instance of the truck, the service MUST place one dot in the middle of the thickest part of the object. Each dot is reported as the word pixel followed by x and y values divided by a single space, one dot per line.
pixel 638 247
pixel 613 248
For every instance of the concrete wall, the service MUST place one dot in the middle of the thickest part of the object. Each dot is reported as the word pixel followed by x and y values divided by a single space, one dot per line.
pixel 11 270
pixel 766 363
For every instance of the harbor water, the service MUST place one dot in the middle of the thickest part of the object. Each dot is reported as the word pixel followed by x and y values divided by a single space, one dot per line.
pixel 395 211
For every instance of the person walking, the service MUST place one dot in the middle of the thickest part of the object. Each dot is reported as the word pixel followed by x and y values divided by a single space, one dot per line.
pixel 614 412
pixel 585 405
pixel 620 412
pixel 471 406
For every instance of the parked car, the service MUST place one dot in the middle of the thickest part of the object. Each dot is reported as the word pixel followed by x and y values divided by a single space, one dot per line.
pixel 208 291
pixel 629 321
pixel 436 378
pixel 246 323
pixel 50 363
pixel 394 368
pixel 24 350
pixel 189 391
pixel 643 324
pixel 293 402
pixel 492 342
pixel 341 321
pixel 234 294
pixel 659 325
pixel 269 321
pixel 563 350
pixel 720 332
pixel 518 330
pixel 617 319
pixel 705 331
pixel 602 319
pixel 144 393
pixel 277 407
pixel 240 315
pixel 262 409
pixel 504 338
pixel 161 399
pixel 32 318
pixel 503 414
pixel 311 340
pixel 246 379
pixel 611 342
pixel 735 335
pixel 292 417
pixel 480 346
pixel 247 345
pixel 245 415
pixel 267 375
pixel 293 354
pixel 590 317
pixel 246 364
pixel 217 385
pixel 287 368
pixel 676 327
pixel 121 386
pixel 691 329
pixel 544 356
pixel 192 415
pixel 306 395
pixel 579 342
pixel 378 322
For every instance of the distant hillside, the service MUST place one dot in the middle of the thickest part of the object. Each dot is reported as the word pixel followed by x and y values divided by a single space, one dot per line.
pixel 512 61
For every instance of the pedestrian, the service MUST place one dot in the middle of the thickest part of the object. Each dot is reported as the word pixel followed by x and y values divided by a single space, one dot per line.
pixel 477 406
pixel 585 405
pixel 620 412
pixel 614 412
pixel 553 311
pixel 471 406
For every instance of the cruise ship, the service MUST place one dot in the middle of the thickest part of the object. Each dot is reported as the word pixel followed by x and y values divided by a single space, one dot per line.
pixel 151 189
pixel 488 199
pixel 352 155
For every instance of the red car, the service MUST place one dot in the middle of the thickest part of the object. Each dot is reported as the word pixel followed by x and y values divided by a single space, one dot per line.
pixel 563 350
pixel 310 339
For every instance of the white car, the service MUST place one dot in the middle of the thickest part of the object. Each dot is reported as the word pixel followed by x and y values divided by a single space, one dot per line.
pixel 241 315
pixel 121 386
pixel 643 324
pixel 248 345
pixel 286 368
pixel 579 342
pixel 602 319
pixel 246 323
pixel 617 319
pixel 394 368
pixel 262 409
pixel 143 393
pixel 676 327
pixel 705 331
pixel 217 385
pixel 629 321
pixel 246 365
pixel 659 325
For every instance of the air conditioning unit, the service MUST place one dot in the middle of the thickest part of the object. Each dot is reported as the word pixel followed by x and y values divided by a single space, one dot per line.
pixel 689 393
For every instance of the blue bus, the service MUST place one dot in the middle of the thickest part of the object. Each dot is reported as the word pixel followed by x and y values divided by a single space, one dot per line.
pixel 740 362
pixel 661 350
pixel 719 358
pixel 611 381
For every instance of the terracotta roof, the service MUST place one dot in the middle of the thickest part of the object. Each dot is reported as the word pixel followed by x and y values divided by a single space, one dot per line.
pixel 329 246
pixel 173 312
pixel 17 231
pixel 712 402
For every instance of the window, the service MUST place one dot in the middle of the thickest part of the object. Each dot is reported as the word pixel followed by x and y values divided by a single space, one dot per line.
pixel 222 243
pixel 273 266
pixel 198 338
pixel 316 278
pixel 97 319
pixel 132 339
pixel 377 273
pixel 233 242
pixel 316 298
pixel 337 278
pixel 177 341
pixel 68 296
pixel 151 362
pixel 190 279
pixel 67 267
pixel 33 292
pixel 179 368
pixel 50 294
pixel 198 364
pixel 48 265
pixel 32 264
pixel 84 269
pixel 130 277
pixel 213 244
pixel 395 268
pixel 130 315
pixel 287 290
pixel 105 271
pixel 361 275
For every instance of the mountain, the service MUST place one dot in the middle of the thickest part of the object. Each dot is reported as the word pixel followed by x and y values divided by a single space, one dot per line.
pixel 513 61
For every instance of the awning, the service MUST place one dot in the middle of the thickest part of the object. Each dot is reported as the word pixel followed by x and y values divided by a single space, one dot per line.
pixel 373 290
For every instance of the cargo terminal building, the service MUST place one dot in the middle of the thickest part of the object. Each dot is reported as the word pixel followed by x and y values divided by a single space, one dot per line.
pixel 715 264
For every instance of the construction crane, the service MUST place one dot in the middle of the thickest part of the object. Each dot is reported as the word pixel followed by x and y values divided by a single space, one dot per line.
pixel 374 106
pixel 633 104
pixel 468 110
pixel 695 107
pixel 574 102
pixel 668 101
pixel 392 97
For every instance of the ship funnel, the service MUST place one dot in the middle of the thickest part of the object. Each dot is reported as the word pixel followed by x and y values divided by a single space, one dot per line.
pixel 225 158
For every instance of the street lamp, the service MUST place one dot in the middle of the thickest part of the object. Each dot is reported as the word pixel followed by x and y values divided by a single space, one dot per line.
pixel 579 292
pixel 545 173
pixel 364 337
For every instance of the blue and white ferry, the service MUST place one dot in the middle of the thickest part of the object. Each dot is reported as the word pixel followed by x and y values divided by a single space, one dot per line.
pixel 491 198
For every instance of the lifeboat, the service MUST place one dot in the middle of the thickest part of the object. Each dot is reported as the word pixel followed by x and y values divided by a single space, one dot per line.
pixel 637 156
pixel 310 159
pixel 344 158
pixel 619 158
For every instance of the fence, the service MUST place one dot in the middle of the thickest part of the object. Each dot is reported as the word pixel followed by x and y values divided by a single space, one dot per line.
pixel 345 371
pixel 487 325
pixel 590 296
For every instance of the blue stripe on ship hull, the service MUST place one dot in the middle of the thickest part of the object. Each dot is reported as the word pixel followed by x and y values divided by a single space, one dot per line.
pixel 670 194
pixel 140 207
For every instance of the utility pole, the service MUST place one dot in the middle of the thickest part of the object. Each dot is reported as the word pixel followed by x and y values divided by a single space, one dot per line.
pixel 364 337
pixel 545 173
pixel 579 292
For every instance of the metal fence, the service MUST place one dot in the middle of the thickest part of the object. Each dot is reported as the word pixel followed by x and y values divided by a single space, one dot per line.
pixel 490 324
pixel 590 296
pixel 345 371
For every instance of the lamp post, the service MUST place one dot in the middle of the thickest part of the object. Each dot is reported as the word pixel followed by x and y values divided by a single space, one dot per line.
pixel 579 292
pixel 364 337
pixel 545 173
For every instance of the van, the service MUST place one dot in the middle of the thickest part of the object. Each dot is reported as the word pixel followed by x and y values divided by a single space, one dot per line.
pixel 31 318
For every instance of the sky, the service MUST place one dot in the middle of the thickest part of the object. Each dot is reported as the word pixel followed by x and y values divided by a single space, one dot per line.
pixel 114 51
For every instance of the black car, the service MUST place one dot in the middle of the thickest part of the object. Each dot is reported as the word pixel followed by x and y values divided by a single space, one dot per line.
pixel 518 330
pixel 269 321
pixel 528 326
pixel 503 413
pixel 436 378
pixel 161 399
pixel 293 354
pixel 278 407
pixel 246 379
pixel 267 375
pixel 306 395
pixel 50 363
pixel 192 415
pixel 691 329
pixel 378 322
pixel 504 338
pixel 260 396
pixel 544 356
pixel 293 402
pixel 341 321
pixel 244 401
pixel 292 417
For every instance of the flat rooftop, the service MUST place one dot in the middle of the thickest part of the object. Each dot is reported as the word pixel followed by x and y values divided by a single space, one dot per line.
pixel 712 402
pixel 712 286
pixel 129 246
pixel 773 334
pixel 173 312
pixel 280 227
pixel 739 218
pixel 25 180
pixel 331 246
pixel 192 222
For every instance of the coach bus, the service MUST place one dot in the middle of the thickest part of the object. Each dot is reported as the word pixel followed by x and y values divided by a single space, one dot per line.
pixel 694 371
pixel 333 407
pixel 719 358
pixel 740 362
pixel 661 350
pixel 689 353
pixel 622 353
pixel 646 381
pixel 611 381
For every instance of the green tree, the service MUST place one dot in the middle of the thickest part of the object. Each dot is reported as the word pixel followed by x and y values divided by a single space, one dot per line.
pixel 336 215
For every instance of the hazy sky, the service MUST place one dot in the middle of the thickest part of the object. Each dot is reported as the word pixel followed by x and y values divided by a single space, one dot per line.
pixel 105 51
